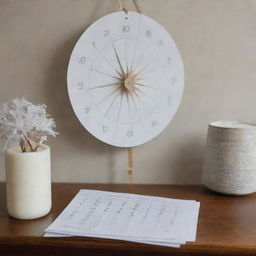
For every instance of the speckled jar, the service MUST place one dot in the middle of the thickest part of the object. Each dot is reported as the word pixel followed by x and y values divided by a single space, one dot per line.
pixel 230 158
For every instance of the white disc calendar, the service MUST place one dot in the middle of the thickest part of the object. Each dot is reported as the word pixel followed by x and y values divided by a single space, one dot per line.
pixel 125 79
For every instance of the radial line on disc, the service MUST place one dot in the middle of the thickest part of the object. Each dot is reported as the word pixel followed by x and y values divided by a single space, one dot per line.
pixel 136 44
pixel 146 65
pixel 108 62
pixel 136 108
pixel 117 57
pixel 106 74
pixel 111 104
pixel 141 57
pixel 120 106
pixel 151 87
pixel 108 96
pixel 146 95
pixel 104 85
pixel 155 68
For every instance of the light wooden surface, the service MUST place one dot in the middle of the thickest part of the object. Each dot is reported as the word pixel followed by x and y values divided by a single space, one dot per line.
pixel 227 225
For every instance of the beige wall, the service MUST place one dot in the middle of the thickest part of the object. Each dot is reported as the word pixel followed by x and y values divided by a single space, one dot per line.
pixel 217 39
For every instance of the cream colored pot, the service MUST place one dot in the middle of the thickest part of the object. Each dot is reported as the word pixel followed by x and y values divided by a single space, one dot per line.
pixel 28 182
pixel 230 158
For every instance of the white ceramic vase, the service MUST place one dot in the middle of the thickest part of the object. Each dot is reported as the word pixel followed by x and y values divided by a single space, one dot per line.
pixel 230 158
pixel 28 183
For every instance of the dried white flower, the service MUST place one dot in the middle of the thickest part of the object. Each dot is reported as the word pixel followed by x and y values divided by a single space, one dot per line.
pixel 25 124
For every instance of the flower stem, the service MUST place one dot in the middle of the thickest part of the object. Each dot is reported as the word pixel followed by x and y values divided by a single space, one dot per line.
pixel 29 143
pixel 22 145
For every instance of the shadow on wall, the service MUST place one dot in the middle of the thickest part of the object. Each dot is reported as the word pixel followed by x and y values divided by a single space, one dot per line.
pixel 69 126
pixel 189 162
pixel 71 130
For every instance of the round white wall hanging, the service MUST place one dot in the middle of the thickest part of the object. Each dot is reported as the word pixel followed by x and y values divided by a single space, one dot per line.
pixel 125 79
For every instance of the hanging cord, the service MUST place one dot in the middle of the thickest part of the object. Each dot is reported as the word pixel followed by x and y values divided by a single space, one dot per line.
pixel 137 6
pixel 123 8
pixel 130 165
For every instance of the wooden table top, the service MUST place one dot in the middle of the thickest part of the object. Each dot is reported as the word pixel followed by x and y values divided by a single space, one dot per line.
pixel 227 225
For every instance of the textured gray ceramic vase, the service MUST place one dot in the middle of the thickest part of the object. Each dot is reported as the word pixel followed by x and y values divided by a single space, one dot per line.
pixel 230 158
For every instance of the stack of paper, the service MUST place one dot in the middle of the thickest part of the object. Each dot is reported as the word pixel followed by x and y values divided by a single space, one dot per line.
pixel 130 217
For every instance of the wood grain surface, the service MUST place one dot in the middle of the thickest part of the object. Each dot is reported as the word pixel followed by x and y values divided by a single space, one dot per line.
pixel 227 225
